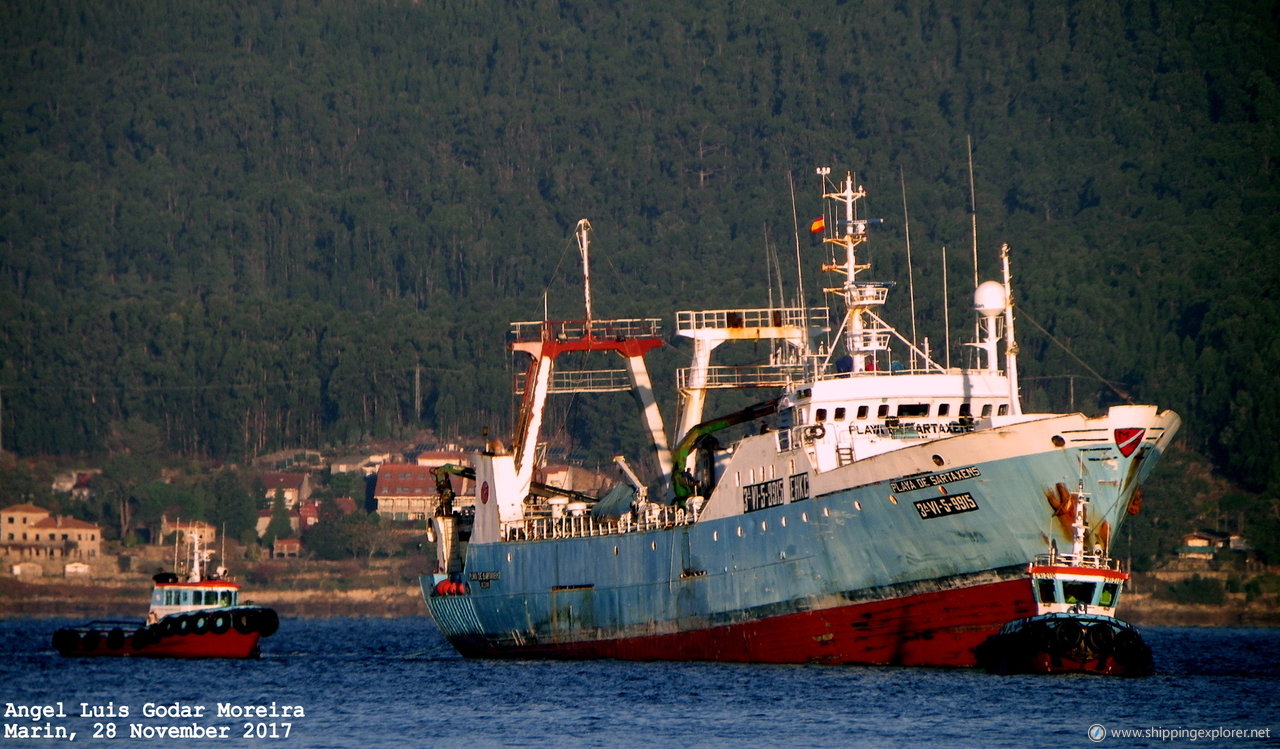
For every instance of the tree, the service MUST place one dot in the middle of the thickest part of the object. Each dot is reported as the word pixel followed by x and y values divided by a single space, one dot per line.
pixel 369 535
pixel 234 511
pixel 279 527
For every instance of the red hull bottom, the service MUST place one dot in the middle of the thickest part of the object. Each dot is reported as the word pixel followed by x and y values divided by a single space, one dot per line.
pixel 1045 663
pixel 231 644
pixel 941 628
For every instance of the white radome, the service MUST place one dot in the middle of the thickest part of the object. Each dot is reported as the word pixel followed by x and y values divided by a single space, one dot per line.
pixel 988 298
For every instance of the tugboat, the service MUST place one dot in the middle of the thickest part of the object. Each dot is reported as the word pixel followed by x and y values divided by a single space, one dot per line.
pixel 1075 629
pixel 200 617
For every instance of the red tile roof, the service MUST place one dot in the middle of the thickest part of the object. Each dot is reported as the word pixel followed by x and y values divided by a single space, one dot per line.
pixel 404 480
pixel 273 481
pixel 25 508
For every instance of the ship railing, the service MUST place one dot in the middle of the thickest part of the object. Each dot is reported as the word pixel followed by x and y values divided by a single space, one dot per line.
pixel 759 375
pixel 541 528
pixel 581 330
pixel 870 340
pixel 762 317
pixel 866 294
pixel 1071 559
pixel 582 381
pixel 830 373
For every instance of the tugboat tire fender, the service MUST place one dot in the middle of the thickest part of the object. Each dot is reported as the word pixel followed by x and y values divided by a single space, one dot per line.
pixel 1067 635
pixel 220 623
pixel 115 638
pixel 268 622
pixel 1100 638
pixel 64 641
pixel 200 624
pixel 243 622
pixel 89 641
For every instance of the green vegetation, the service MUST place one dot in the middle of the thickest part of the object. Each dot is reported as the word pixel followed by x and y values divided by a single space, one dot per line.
pixel 227 228
pixel 1194 590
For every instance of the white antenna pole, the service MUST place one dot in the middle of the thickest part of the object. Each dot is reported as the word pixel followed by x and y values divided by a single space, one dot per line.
pixel 768 265
pixel 911 274
pixel 795 233
pixel 1010 342
pixel 946 309
pixel 584 226
pixel 973 220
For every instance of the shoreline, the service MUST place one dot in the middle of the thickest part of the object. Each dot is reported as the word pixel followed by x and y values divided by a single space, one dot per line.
pixel 129 599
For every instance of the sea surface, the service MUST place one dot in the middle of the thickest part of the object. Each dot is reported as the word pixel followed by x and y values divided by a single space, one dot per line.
pixel 395 682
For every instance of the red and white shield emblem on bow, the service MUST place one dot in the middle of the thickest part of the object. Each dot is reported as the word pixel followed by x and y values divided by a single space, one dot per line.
pixel 1128 440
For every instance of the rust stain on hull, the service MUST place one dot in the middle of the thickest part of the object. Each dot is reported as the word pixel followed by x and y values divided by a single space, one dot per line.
pixel 1063 503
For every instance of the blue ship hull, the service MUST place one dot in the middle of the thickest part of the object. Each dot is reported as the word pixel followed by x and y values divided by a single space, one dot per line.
pixel 915 570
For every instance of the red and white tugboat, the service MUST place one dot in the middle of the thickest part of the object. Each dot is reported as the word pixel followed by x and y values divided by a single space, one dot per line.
pixel 200 617
pixel 1075 629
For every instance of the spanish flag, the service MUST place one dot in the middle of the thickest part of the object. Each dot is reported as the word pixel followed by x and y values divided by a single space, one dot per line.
pixel 818 226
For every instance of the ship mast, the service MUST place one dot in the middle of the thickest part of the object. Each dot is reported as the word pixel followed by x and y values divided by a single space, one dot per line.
pixel 584 242
pixel 1010 342
pixel 865 334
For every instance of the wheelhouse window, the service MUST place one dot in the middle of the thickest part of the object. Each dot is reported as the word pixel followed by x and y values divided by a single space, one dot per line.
pixel 1077 592
pixel 1109 593
pixel 1045 591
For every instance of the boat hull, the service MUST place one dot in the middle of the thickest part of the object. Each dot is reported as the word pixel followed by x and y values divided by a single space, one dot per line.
pixel 1066 644
pixel 912 557
pixel 224 633
pixel 937 628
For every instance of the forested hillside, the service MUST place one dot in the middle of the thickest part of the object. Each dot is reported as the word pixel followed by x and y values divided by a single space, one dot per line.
pixel 252 225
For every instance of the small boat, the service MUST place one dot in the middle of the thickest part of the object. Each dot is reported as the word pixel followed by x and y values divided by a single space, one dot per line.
pixel 1075 629
pixel 200 617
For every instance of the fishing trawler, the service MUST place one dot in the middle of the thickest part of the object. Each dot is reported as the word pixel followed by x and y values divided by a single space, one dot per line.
pixel 199 617
pixel 875 507
pixel 1075 629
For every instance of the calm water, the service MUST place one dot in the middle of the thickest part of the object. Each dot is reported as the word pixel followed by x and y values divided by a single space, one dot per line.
pixel 381 683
